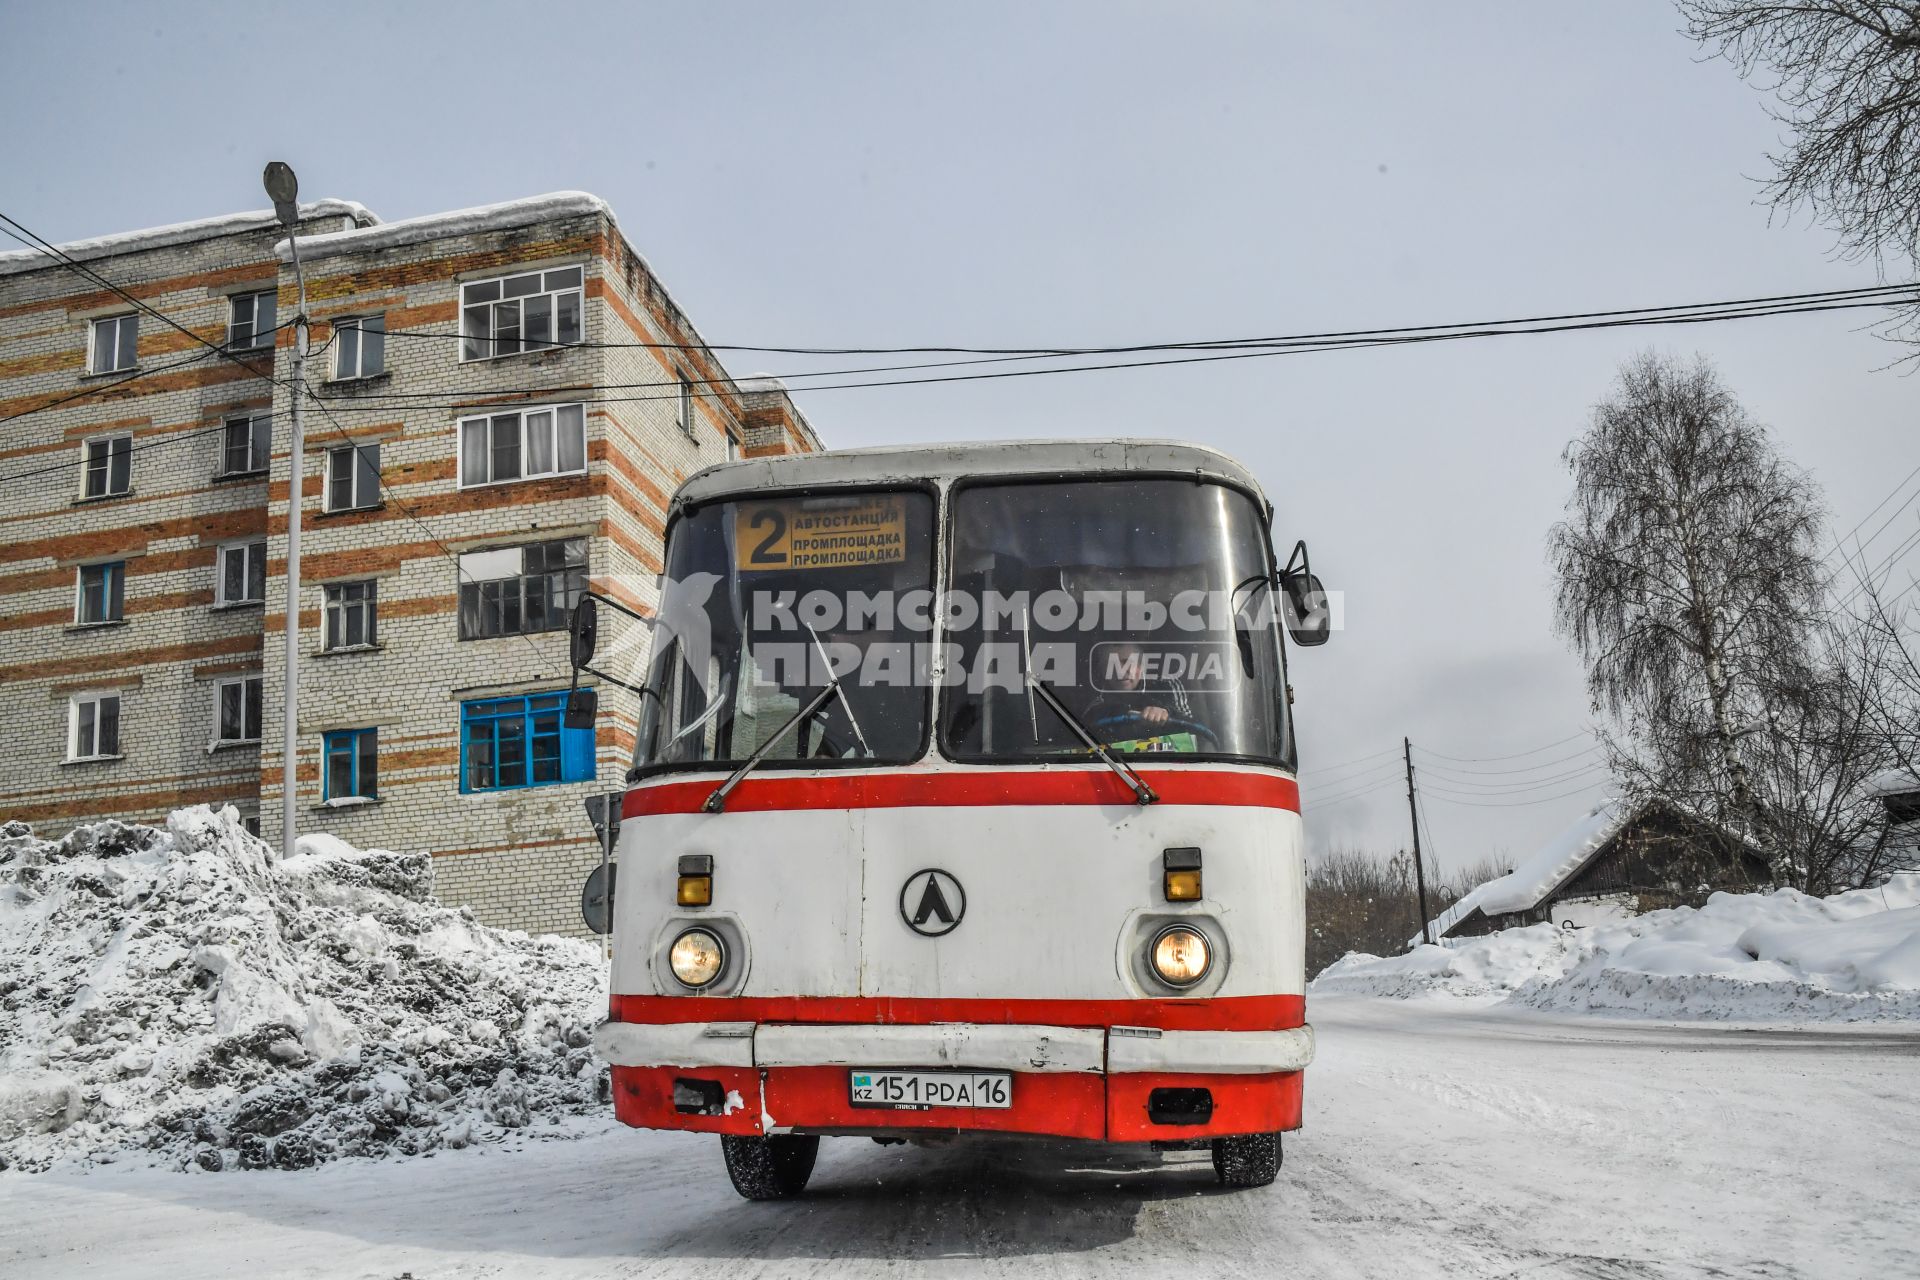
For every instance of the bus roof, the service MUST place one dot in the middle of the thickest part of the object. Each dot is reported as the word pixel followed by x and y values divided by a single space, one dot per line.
pixel 841 467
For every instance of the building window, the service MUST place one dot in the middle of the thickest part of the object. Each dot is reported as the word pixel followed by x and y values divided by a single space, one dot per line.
pixel 242 575
pixel 112 343
pixel 521 742
pixel 93 726
pixel 523 445
pixel 249 445
pixel 237 711
pixel 251 321
pixel 733 447
pixel 686 407
pixel 109 466
pixel 517 590
pixel 519 313
pixel 351 612
pixel 352 757
pixel 251 825
pixel 360 347
pixel 353 477
pixel 101 592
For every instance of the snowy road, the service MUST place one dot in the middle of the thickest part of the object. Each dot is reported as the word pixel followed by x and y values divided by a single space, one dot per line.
pixel 1439 1143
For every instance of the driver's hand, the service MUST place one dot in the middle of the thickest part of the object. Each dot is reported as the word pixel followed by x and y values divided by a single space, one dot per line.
pixel 1154 715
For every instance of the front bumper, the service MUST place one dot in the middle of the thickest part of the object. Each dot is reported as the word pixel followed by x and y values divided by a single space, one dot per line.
pixel 1086 1082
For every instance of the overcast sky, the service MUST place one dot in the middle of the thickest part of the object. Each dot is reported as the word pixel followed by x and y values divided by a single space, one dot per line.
pixel 1018 175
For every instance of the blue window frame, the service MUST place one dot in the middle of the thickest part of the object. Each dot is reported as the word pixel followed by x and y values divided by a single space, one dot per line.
pixel 351 764
pixel 521 742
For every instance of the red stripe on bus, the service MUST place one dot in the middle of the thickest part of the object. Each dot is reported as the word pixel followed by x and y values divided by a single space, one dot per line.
pixel 1217 1013
pixel 994 787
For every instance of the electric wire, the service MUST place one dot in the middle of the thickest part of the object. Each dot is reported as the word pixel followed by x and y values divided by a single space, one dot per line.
pixel 1516 789
pixel 1871 295
pixel 1517 804
pixel 1474 775
pixel 1534 751
pixel 1237 354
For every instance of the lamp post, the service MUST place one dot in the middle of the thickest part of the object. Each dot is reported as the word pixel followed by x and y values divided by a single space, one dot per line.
pixel 284 190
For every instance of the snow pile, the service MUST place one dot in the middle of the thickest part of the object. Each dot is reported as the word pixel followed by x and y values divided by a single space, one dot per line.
pixel 182 996
pixel 1782 956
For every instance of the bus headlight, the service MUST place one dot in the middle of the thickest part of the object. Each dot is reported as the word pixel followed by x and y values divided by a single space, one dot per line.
pixel 697 958
pixel 1180 955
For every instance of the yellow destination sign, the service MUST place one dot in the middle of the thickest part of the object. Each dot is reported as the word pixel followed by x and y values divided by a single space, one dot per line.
pixel 787 533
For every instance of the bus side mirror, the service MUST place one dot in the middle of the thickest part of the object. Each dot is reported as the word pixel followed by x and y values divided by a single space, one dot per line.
pixel 1309 620
pixel 584 632
pixel 583 705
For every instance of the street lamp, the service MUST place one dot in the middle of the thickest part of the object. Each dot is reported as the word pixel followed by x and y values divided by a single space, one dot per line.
pixel 283 188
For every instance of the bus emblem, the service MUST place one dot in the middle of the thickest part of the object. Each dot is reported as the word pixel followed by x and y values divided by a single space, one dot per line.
pixel 932 903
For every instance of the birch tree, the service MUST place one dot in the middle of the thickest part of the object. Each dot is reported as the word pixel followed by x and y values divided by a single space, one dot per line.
pixel 1689 582
pixel 1845 75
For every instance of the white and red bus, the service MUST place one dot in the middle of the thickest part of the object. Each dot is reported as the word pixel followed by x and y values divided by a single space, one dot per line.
pixel 964 801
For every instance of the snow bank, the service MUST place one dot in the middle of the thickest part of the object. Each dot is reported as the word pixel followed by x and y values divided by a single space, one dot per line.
pixel 183 997
pixel 1774 957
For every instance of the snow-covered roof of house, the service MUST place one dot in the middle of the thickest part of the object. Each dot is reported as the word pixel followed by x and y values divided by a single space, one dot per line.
pixel 1551 866
pixel 1894 782
pixel 19 260
pixel 456 222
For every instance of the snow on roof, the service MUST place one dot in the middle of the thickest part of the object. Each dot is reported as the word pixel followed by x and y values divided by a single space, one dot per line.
pixel 1522 888
pixel 19 260
pixel 760 382
pixel 1894 782
pixel 433 226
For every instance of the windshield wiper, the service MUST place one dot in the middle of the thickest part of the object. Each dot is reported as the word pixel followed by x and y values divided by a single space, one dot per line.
pixel 1142 793
pixel 718 800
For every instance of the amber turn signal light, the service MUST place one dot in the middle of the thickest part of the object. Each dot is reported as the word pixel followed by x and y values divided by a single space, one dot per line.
pixel 1180 873
pixel 1183 886
pixel 695 888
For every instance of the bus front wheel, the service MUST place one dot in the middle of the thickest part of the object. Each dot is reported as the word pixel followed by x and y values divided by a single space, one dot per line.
pixel 1249 1161
pixel 775 1168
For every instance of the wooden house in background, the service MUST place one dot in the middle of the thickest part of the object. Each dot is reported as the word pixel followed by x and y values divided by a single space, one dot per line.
pixel 1616 861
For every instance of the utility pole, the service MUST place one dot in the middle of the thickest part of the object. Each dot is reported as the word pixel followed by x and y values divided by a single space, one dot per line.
pixel 1419 872
pixel 284 189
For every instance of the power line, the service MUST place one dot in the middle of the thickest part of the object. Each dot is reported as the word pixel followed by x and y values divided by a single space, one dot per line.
pixel 1515 756
pixel 1243 352
pixel 1881 295
pixel 1516 788
pixel 1518 804
pixel 1868 584
pixel 1474 775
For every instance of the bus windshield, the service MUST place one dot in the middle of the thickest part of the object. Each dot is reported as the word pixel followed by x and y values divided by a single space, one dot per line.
pixel 764 604
pixel 1144 606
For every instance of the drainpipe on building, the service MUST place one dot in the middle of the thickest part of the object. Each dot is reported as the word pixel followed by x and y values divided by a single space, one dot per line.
pixel 284 189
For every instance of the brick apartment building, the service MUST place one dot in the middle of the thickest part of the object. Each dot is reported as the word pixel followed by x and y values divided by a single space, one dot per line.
pixel 503 401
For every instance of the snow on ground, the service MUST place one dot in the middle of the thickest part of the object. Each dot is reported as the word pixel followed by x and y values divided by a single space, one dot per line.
pixel 183 997
pixel 1441 1141
pixel 1776 957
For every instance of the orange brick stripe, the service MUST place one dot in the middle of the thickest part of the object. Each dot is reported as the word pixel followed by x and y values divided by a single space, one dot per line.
pixel 158 656
pixel 216 372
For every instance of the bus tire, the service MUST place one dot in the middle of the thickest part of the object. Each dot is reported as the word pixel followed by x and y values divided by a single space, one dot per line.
pixel 775 1168
pixel 1249 1161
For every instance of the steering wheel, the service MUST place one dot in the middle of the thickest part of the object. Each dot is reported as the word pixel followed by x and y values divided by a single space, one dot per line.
pixel 1160 728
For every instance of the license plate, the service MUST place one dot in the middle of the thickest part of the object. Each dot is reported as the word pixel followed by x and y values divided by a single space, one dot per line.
pixel 919 1090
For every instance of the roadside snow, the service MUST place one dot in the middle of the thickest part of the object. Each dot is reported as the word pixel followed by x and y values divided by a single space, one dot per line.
pixel 182 997
pixel 1782 956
